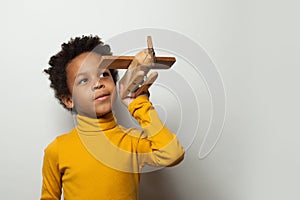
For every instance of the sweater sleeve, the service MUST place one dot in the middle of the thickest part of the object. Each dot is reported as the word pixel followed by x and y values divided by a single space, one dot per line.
pixel 159 147
pixel 51 186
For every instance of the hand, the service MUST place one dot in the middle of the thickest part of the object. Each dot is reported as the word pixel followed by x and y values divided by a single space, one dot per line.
pixel 133 83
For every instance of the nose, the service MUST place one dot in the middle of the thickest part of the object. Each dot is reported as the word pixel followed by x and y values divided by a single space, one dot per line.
pixel 98 84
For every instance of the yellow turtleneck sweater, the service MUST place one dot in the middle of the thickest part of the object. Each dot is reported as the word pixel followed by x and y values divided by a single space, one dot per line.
pixel 101 160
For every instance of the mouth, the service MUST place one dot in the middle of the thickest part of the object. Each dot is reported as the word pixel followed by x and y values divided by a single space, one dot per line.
pixel 102 97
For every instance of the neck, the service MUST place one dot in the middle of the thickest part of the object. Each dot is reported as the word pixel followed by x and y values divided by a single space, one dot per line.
pixel 88 124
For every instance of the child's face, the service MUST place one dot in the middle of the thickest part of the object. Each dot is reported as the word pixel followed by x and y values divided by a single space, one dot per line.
pixel 93 89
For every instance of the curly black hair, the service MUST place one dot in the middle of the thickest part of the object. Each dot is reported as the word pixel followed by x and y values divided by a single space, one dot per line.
pixel 74 47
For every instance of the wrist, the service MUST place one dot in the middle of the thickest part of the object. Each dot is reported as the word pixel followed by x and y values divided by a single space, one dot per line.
pixel 128 100
pixel 138 103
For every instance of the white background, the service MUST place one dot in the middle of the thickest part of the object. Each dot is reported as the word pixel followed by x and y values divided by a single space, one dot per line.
pixel 255 45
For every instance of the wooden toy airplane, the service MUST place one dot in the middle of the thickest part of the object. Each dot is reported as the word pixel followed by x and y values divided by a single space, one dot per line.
pixel 137 68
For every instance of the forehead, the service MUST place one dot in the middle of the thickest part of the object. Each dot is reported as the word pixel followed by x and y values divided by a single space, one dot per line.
pixel 84 63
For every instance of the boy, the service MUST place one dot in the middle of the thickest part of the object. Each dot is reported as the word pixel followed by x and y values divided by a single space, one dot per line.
pixel 99 159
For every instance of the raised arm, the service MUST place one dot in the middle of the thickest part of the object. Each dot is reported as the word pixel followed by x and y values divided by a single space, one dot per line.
pixel 159 146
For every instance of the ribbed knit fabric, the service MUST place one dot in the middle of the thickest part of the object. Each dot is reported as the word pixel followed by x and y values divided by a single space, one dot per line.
pixel 101 160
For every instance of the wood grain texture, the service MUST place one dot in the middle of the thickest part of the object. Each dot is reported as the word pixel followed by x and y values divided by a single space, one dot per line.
pixel 123 62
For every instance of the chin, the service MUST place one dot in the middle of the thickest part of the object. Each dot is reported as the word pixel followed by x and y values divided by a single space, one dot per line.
pixel 103 114
pixel 103 110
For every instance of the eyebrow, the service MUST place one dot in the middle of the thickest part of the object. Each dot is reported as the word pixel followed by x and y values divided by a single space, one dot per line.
pixel 80 74
pixel 99 69
pixel 102 69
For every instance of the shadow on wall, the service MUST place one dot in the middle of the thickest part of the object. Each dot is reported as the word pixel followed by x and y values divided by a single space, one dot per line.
pixel 158 185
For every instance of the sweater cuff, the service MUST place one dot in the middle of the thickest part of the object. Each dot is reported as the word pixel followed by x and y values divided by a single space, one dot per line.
pixel 143 111
pixel 138 103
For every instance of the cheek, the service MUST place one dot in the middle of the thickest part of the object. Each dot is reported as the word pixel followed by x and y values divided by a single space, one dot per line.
pixel 114 95
pixel 81 96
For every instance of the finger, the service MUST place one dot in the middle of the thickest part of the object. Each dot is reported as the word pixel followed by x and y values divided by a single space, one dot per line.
pixel 147 84
pixel 126 77
pixel 132 84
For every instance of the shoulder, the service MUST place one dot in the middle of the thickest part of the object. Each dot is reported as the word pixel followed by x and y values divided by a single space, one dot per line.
pixel 67 136
pixel 60 140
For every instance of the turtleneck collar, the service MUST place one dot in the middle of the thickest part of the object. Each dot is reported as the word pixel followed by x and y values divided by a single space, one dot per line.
pixel 88 125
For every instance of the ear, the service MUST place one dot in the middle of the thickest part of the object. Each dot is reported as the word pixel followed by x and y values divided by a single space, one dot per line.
pixel 67 100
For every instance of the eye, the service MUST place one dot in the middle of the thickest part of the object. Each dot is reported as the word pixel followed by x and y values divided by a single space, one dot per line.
pixel 82 81
pixel 104 74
